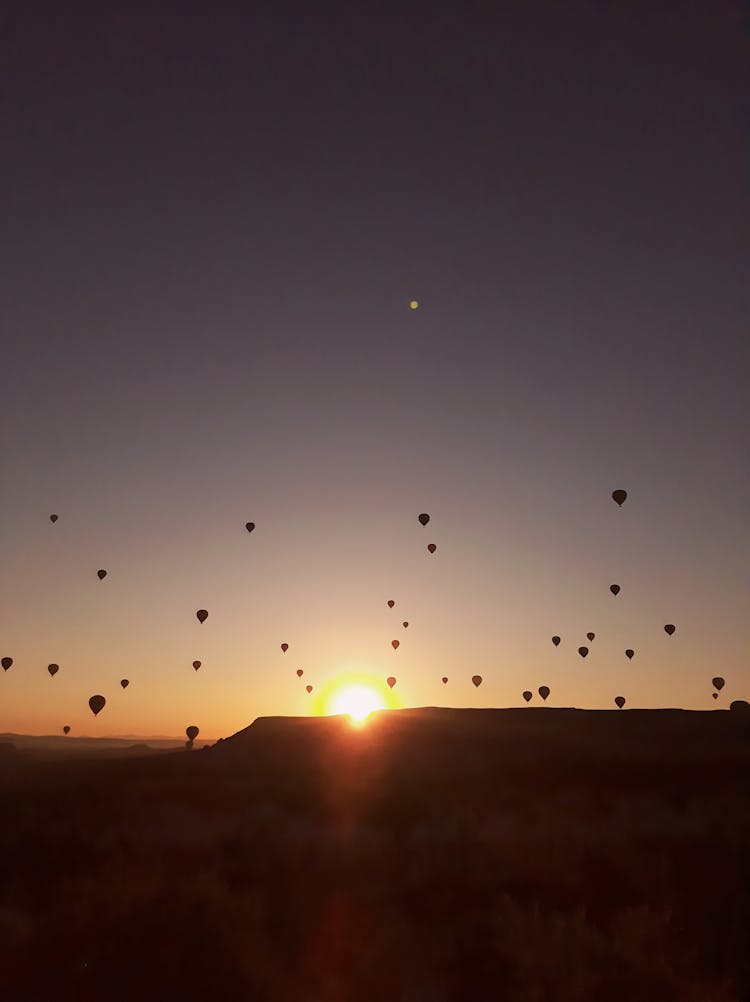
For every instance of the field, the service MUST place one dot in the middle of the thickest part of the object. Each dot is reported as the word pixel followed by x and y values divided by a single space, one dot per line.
pixel 527 855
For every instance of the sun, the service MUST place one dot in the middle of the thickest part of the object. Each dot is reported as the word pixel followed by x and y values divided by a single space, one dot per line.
pixel 358 701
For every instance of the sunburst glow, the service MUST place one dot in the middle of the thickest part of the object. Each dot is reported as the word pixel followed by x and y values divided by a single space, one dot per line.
pixel 358 701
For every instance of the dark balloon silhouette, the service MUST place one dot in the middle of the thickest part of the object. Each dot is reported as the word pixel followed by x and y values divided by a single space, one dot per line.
pixel 629 653
pixel 124 682
pixel 619 497
pixel 431 547
pixel 202 615
pixel 101 574
pixel 556 641
pixel 391 603
pixel 591 635
pixel 249 526
pixel 424 518
pixel 196 665
pixel 192 733
pixel 477 680
pixel 669 629
pixel 6 663
pixel 66 729
pixel 405 624
pixel 444 679
pixel 527 694
pixel 543 691
pixel 53 669
pixel 739 706
pixel 615 589
pixel 715 695
pixel 619 702
pixel 97 703
pixel 583 651
pixel 53 518
pixel 391 680
pixel 717 683
pixel 395 644
pixel 308 689
pixel 284 648
pixel 300 673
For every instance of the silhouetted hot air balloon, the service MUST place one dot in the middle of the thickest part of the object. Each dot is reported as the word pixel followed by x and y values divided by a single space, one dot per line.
pixel 424 518
pixel 196 665
pixel 583 651
pixel 615 589
pixel 715 695
pixel 53 518
pixel 591 636
pixel 543 691
pixel 124 682
pixel 300 673
pixel 629 653
pixel 718 683
pixel 395 644
pixel 444 679
pixel 391 680
pixel 284 648
pixel 66 729
pixel 527 694
pixel 308 689
pixel 431 547
pixel 619 497
pixel 556 641
pixel 669 629
pixel 619 702
pixel 192 732
pixel 6 663
pixel 391 603
pixel 97 703
pixel 202 615
pixel 477 680
pixel 101 574
pixel 249 526
pixel 53 669
pixel 405 624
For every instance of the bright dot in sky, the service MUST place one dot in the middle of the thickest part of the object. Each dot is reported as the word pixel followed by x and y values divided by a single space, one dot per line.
pixel 413 304
pixel 356 700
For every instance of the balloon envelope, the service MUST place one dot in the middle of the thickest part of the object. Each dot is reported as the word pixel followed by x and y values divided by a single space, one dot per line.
pixel 629 653
pixel 431 547
pixel 300 673
pixel 6 663
pixel 395 644
pixel 308 688
pixel 619 702
pixel 66 729
pixel 615 589
pixel 249 526
pixel 202 615
pixel 285 648
pixel 715 695
pixel 444 679
pixel 583 651
pixel 717 683
pixel 97 703
pixel 556 641
pixel 591 635
pixel 53 669
pixel 405 624
pixel 124 682
pixel 391 603
pixel 391 680
pixel 669 629
pixel 196 665
pixel 619 497
pixel 424 518
pixel 477 680
pixel 53 518
pixel 192 732
pixel 544 691
pixel 527 694
pixel 101 574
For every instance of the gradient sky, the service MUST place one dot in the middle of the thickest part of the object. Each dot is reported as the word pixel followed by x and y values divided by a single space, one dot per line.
pixel 213 223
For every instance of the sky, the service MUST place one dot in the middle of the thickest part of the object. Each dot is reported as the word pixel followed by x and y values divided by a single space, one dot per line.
pixel 214 220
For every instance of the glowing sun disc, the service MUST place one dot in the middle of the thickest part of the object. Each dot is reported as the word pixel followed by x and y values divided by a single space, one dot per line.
pixel 357 701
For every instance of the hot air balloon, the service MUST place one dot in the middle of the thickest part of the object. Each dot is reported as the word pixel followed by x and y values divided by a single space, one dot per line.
pixel 97 703
pixel 391 680
pixel 591 635
pixel 629 653
pixel 619 497
pixel 615 589
pixel 405 624
pixel 444 679
pixel 124 682
pixel 6 663
pixel 53 669
pixel 66 729
pixel 556 641
pixel 249 526
pixel 391 603
pixel 543 691
pixel 669 629
pixel 527 694
pixel 308 689
pixel 619 702
pixel 53 519
pixel 300 673
pixel 583 651
pixel 424 518
pixel 395 644
pixel 431 547
pixel 477 680
pixel 718 683
pixel 715 695
pixel 202 615
pixel 284 648
pixel 101 574
pixel 196 665
pixel 192 732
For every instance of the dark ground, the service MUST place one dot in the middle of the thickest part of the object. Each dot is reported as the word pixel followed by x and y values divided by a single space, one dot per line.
pixel 527 855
